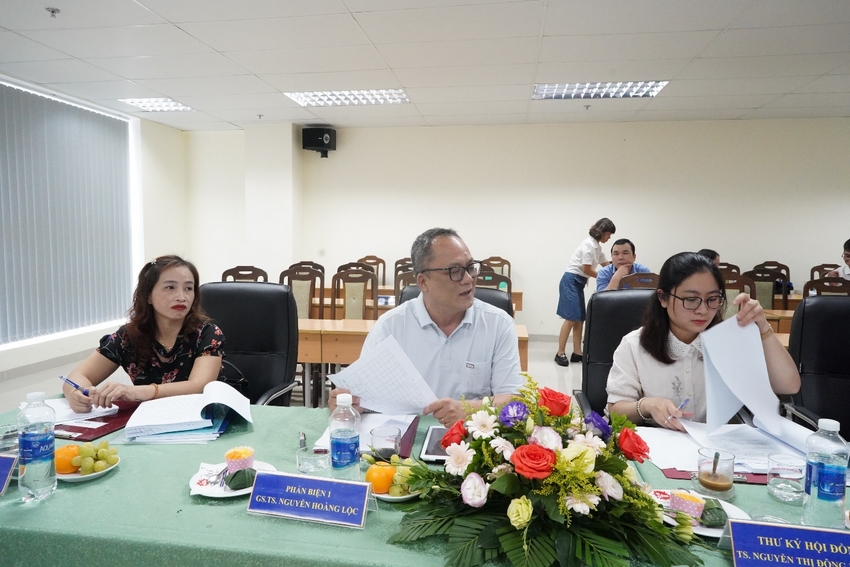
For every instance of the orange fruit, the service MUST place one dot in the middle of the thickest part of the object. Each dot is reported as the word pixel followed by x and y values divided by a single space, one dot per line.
pixel 381 476
pixel 63 456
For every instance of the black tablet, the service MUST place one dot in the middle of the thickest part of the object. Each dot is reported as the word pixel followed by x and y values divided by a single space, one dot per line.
pixel 432 451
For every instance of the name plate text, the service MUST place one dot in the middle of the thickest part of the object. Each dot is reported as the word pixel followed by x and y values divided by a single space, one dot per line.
pixel 761 544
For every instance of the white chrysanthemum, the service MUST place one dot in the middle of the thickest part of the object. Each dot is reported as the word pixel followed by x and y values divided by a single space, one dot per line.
pixel 590 440
pixel 582 505
pixel 609 486
pixel 459 457
pixel 503 447
pixel 546 437
pixel 482 425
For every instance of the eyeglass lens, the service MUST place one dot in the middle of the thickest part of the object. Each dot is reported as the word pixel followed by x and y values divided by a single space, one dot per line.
pixel 456 272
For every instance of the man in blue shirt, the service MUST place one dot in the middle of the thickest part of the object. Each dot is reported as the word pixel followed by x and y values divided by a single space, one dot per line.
pixel 622 264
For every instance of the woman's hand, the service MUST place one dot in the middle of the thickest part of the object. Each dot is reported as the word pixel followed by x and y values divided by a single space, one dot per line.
pixel 750 311
pixel 108 392
pixel 78 401
pixel 664 412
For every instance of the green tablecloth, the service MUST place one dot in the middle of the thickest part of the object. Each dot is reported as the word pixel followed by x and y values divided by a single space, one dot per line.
pixel 142 513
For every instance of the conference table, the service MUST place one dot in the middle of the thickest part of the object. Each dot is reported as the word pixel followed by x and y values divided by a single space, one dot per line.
pixel 141 513
pixel 779 319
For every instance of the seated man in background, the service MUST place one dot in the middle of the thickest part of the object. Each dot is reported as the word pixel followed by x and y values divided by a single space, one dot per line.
pixel 843 271
pixel 462 347
pixel 622 264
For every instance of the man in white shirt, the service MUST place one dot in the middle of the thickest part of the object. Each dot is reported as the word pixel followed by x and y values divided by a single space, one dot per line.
pixel 843 271
pixel 463 347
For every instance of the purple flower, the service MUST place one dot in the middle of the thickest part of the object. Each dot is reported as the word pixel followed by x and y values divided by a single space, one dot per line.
pixel 598 424
pixel 513 413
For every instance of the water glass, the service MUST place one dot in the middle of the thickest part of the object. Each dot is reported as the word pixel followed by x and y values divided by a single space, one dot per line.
pixel 385 441
pixel 312 463
pixel 715 470
pixel 786 477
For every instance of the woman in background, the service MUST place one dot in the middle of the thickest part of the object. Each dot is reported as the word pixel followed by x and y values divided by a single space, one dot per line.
pixel 571 305
pixel 168 347
pixel 659 366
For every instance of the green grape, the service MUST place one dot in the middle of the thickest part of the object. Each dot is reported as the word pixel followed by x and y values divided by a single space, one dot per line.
pixel 87 463
pixel 77 461
pixel 87 450
pixel 102 454
pixel 113 450
pixel 103 445
pixel 112 460
pixel 100 466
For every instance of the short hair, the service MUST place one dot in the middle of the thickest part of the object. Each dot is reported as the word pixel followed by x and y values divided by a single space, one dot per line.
pixel 602 226
pixel 847 246
pixel 421 251
pixel 622 241
pixel 711 254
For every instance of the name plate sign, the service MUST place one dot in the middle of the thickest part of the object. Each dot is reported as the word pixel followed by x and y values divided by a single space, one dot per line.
pixel 7 466
pixel 762 544
pixel 324 500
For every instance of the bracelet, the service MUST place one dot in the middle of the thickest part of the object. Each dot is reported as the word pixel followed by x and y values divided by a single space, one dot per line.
pixel 637 407
pixel 767 333
pixel 155 391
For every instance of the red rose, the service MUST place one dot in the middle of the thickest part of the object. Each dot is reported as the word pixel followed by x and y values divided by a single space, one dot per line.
pixel 557 403
pixel 456 434
pixel 533 461
pixel 632 446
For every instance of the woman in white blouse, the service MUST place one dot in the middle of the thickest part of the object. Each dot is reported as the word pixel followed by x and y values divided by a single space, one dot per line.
pixel 659 366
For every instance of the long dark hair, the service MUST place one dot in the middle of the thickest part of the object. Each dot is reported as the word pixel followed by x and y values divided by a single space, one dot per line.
pixel 602 226
pixel 141 328
pixel 656 321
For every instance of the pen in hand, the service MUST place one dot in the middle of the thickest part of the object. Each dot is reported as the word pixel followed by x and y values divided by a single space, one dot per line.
pixel 74 385
pixel 680 408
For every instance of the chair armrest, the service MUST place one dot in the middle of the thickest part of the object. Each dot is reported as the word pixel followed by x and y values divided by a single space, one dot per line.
pixel 807 417
pixel 273 393
pixel 583 402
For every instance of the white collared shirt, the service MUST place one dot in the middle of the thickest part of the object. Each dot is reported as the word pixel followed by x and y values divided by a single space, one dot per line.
pixel 636 374
pixel 480 358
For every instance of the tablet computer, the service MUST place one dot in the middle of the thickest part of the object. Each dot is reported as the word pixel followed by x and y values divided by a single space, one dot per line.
pixel 432 451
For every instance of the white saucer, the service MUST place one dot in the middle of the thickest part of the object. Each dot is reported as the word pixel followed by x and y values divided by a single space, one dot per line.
pixel 223 491
pixel 77 477
pixel 388 498
pixel 731 510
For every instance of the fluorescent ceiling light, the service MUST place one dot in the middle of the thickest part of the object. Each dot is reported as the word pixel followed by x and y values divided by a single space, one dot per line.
pixel 157 104
pixel 347 98
pixel 637 89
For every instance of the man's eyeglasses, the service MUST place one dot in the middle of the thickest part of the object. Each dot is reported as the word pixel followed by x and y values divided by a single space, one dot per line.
pixel 693 303
pixel 456 272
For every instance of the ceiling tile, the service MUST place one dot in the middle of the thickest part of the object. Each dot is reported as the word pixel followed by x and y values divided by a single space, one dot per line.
pixel 14 47
pixel 170 66
pixel 314 60
pixel 458 23
pixel 625 47
pixel 682 115
pixel 378 5
pixel 105 90
pixel 578 105
pixel 725 87
pixel 827 84
pixel 176 117
pixel 466 76
pixel 29 15
pixel 803 112
pixel 475 119
pixel 238 102
pixel 778 13
pixel 811 100
pixel 340 81
pixel 605 71
pixel 200 126
pixel 460 108
pixel 268 114
pixel 469 94
pixel 699 102
pixel 795 40
pixel 236 84
pixel 502 51
pixel 582 117
pixel 62 71
pixel 129 41
pixel 279 33
pixel 329 113
pixel 222 10
pixel 766 66
pixel 378 122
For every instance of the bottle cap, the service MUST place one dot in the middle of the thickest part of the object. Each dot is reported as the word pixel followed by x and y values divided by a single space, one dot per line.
pixel 828 424
pixel 343 400
pixel 35 397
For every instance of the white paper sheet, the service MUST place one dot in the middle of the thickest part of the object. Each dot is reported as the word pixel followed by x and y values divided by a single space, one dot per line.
pixel 749 445
pixel 670 449
pixel 386 381
pixel 368 422
pixel 65 414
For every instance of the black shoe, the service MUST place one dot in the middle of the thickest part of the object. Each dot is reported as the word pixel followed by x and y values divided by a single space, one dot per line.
pixel 561 360
pixel 575 357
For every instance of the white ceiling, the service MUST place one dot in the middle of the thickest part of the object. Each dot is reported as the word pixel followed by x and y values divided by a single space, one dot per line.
pixel 460 61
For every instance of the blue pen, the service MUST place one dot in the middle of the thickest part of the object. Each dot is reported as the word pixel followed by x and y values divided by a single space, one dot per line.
pixel 680 408
pixel 85 391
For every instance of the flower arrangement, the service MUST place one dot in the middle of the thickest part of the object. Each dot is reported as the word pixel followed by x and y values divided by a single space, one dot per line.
pixel 543 485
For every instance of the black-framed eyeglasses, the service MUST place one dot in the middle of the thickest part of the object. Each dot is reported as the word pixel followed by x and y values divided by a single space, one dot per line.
pixel 693 303
pixel 456 272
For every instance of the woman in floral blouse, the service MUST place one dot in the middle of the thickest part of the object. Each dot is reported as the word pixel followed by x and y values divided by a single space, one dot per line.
pixel 168 347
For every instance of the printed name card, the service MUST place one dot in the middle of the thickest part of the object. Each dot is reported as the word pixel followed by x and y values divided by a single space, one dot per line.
pixel 324 500
pixel 7 465
pixel 761 544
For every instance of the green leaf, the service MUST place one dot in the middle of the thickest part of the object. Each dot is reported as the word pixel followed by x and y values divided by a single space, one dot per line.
pixel 550 505
pixel 464 549
pixel 411 530
pixel 565 547
pixel 507 484
pixel 539 551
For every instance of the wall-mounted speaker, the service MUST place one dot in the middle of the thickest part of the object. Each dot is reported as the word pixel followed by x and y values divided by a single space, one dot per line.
pixel 321 140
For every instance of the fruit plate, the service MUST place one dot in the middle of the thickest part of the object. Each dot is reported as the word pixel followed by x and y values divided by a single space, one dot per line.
pixel 732 511
pixel 77 477
pixel 388 498
pixel 197 486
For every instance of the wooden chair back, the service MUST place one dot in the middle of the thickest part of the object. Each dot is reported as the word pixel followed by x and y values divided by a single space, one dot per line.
pixel 774 265
pixel 403 277
pixel 379 266
pixel 821 270
pixel 640 280
pixel 357 288
pixel 494 280
pixel 308 264
pixel 827 286
pixel 737 284
pixel 499 265
pixel 765 280
pixel 356 266
pixel 730 268
pixel 245 274
pixel 402 261
pixel 304 282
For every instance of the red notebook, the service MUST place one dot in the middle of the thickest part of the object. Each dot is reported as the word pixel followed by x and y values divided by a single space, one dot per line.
pixel 751 478
pixel 113 422
pixel 406 444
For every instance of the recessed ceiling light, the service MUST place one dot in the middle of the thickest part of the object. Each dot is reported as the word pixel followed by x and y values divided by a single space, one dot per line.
pixel 348 98
pixel 636 89
pixel 157 104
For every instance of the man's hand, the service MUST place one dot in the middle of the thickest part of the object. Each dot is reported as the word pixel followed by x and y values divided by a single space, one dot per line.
pixel 623 270
pixel 446 410
pixel 355 401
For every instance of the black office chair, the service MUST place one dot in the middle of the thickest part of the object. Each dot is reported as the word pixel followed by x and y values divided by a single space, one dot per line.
pixel 820 336
pixel 611 315
pixel 260 325
pixel 494 297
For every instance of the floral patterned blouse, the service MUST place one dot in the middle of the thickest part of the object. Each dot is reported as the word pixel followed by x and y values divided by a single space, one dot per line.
pixel 208 340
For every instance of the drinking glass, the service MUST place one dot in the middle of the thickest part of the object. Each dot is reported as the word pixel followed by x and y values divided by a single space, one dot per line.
pixel 785 477
pixel 385 441
pixel 715 468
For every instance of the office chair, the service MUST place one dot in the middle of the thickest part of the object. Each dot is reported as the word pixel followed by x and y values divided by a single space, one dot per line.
pixel 495 297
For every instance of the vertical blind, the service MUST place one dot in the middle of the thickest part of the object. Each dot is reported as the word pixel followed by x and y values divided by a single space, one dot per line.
pixel 65 255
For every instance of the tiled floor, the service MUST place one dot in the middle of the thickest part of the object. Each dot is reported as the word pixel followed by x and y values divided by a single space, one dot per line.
pixel 541 366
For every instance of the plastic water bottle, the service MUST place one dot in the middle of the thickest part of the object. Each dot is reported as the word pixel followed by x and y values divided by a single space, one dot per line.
pixel 37 471
pixel 345 433
pixel 826 470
